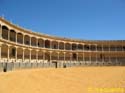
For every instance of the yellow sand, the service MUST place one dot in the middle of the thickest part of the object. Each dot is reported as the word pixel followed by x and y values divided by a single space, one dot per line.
pixel 69 80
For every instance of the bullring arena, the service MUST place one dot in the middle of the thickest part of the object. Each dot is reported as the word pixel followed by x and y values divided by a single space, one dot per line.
pixel 22 48
pixel 82 66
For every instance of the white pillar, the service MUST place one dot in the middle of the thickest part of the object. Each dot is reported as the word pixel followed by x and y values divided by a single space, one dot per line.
pixel 1 31
pixel 83 57
pixel 43 56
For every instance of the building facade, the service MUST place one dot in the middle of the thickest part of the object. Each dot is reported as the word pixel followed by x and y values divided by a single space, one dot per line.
pixel 19 45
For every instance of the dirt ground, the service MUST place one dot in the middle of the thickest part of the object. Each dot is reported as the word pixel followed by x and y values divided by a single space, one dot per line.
pixel 64 80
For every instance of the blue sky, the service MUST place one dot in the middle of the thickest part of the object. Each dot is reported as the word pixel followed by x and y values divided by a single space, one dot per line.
pixel 81 19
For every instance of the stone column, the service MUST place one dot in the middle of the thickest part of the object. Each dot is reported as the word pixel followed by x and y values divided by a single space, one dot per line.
pixel 43 56
pixel 8 53
pixel 83 57
pixel 64 46
pixel 16 54
pixel 23 57
pixel 30 55
pixel 50 56
pixel 64 57
pixel 37 55
pixel 1 31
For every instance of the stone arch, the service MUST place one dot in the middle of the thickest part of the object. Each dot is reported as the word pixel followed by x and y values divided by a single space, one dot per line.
pixel 40 43
pixel 54 45
pixel 4 52
pixel 5 31
pixel 20 38
pixel 80 47
pixel 67 46
pixel 61 45
pixel 54 56
pixel 27 54
pixel 12 35
pixel 19 53
pixel 74 46
pixel 33 41
pixel 47 43
pixel 27 40
pixel 12 52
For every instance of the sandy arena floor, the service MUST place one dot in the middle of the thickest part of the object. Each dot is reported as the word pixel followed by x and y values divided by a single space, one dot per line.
pixel 69 80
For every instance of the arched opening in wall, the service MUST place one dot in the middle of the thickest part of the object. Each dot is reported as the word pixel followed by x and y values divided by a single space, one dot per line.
pixel 12 52
pixel 86 47
pixel 33 41
pixel 47 44
pixel 33 54
pixel 40 43
pixel 123 48
pixel 4 52
pixel 105 48
pixel 67 56
pixel 61 56
pixel 61 45
pixel 86 56
pixel 47 56
pixel 112 48
pixel 12 35
pixel 40 55
pixel 119 48
pixel 74 47
pixel 19 53
pixel 54 45
pixel 54 56
pixel 99 48
pixel 93 56
pixel 27 40
pixel 74 56
pixel 27 54
pixel 80 47
pixel 93 48
pixel 20 38
pixel 80 56
pixel 67 46
pixel 5 31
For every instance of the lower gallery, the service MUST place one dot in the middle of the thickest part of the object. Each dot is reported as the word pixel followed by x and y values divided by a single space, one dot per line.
pixel 21 48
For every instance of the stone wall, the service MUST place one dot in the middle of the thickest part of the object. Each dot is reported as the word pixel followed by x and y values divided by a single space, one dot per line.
pixel 4 67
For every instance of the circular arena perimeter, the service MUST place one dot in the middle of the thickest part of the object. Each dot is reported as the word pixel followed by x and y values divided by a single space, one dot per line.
pixel 21 48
